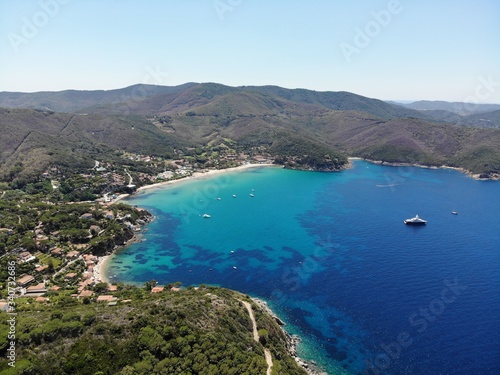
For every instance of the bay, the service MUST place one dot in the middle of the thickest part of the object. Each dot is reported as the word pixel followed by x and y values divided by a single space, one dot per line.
pixel 331 255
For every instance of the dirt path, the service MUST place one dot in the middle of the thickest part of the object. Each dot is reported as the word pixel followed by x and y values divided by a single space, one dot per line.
pixel 267 353
pixel 269 360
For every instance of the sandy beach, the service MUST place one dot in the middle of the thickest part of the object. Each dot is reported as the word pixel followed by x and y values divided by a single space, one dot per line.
pixel 195 176
pixel 203 175
pixel 99 270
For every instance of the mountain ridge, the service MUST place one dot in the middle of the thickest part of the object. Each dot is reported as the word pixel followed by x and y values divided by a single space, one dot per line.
pixel 147 99
pixel 324 128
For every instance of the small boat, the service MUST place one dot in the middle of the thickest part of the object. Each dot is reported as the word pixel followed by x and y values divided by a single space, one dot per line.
pixel 454 212
pixel 415 221
pixel 207 216
pixel 218 199
pixel 252 195
pixel 234 195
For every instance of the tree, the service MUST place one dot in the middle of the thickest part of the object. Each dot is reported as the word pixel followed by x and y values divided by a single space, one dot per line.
pixel 28 242
pixel 100 287
pixel 51 266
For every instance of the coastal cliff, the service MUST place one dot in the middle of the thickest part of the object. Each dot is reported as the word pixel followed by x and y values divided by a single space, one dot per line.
pixel 292 341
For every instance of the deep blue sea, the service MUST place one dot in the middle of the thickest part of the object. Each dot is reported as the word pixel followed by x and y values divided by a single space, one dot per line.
pixel 330 253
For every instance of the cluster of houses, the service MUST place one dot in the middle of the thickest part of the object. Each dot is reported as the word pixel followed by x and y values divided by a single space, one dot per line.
pixel 36 283
pixel 40 234
pixel 176 168
pixel 28 286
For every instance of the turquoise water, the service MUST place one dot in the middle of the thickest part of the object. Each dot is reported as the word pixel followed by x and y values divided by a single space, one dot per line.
pixel 330 253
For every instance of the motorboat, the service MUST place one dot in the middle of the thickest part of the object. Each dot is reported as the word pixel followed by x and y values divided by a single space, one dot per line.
pixel 415 221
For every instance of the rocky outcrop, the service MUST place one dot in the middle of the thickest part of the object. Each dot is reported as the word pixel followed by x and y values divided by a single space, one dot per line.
pixel 292 341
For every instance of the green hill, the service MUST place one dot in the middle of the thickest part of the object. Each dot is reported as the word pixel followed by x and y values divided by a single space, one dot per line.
pixel 75 100
pixel 205 93
pixel 205 331
pixel 258 119
pixel 35 139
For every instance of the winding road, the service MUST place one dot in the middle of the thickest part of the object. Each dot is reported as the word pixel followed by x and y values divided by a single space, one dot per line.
pixel 267 353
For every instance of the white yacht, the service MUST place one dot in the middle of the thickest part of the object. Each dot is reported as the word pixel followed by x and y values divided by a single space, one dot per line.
pixel 415 221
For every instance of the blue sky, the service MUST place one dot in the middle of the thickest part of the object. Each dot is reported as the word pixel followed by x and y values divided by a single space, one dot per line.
pixel 402 50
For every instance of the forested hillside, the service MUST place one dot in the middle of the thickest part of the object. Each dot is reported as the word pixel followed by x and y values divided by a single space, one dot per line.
pixel 299 128
pixel 195 331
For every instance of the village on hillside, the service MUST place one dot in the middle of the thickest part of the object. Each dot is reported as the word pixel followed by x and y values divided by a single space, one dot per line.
pixel 59 230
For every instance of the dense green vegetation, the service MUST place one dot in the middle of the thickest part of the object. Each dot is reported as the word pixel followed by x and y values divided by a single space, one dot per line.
pixel 298 152
pixel 36 224
pixel 204 331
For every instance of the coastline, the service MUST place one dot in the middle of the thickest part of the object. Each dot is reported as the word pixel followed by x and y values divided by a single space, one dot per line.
pixel 99 273
pixel 101 267
pixel 475 176
pixel 293 341
pixel 202 175
pixel 195 176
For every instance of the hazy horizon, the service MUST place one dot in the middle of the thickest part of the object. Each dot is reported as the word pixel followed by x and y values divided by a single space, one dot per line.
pixel 398 101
